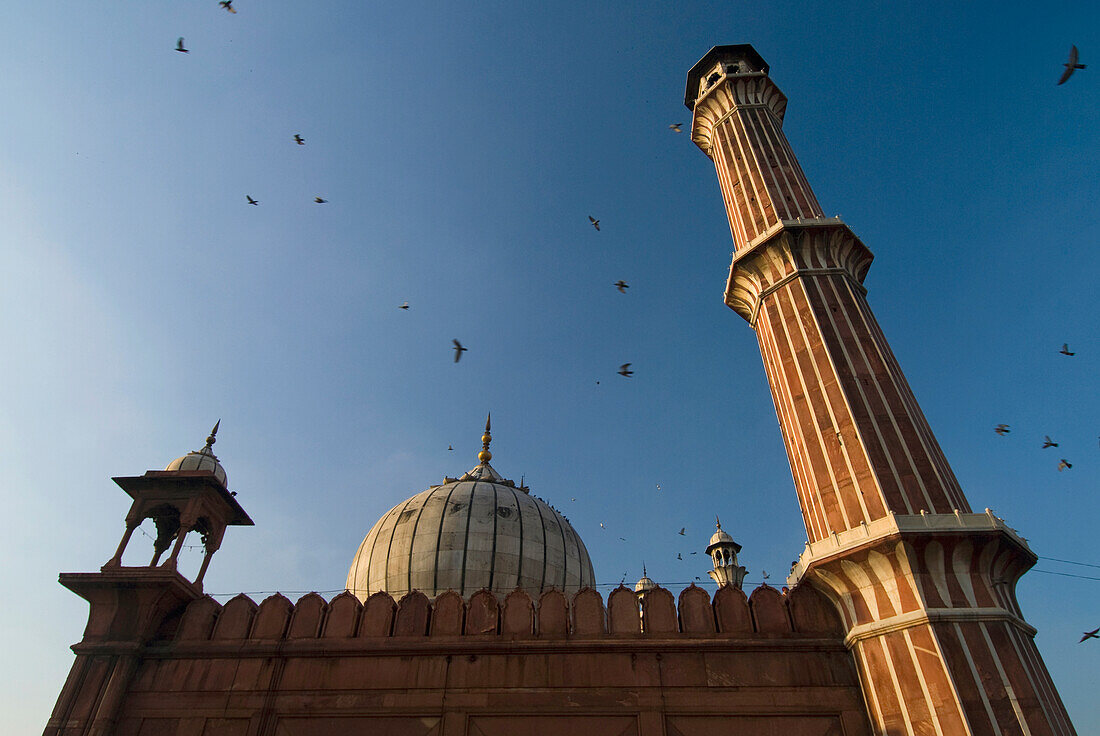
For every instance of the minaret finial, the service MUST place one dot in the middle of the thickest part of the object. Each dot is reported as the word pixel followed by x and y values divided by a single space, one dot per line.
pixel 644 573
pixel 485 456
pixel 717 522
pixel 212 438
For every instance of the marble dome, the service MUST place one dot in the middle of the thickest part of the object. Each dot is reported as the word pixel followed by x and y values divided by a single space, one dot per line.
pixel 203 459
pixel 477 531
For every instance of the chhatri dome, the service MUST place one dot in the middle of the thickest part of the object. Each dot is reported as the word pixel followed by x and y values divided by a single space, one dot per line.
pixel 477 531
pixel 203 459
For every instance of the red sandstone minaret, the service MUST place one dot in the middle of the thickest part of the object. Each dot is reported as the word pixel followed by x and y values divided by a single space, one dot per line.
pixel 925 587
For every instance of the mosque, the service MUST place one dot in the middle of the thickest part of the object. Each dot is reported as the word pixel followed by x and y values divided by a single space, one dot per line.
pixel 470 607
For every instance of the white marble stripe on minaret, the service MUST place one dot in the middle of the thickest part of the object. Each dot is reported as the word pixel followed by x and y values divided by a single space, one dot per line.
pixel 870 412
pixel 756 166
pixel 936 561
pixel 898 691
pixel 922 679
pixel 728 169
pixel 1042 694
pixel 811 198
pixel 821 444
pixel 752 128
pixel 729 193
pixel 868 409
pixel 927 438
pixel 1009 690
pixel 870 692
pixel 977 679
pixel 782 386
pixel 792 290
pixel 763 127
pixel 812 513
pixel 748 167
pixel 931 450
pixel 807 199
pixel 767 130
pixel 948 675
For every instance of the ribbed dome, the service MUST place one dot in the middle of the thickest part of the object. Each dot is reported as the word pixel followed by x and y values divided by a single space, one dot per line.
pixel 477 531
pixel 199 460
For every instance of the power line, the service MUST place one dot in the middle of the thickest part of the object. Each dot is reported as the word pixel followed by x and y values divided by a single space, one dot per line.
pixel 1069 574
pixel 1068 562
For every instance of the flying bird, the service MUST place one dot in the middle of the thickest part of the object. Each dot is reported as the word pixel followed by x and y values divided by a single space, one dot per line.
pixel 404 306
pixel 658 486
pixel 299 139
pixel 602 526
pixel 1048 442
pixel 318 200
pixel 180 48
pixel 682 529
pixel 695 553
pixel 595 222
pixel 624 370
pixel 459 350
pixel 622 286
pixel 1070 66
pixel 250 200
pixel 228 5
pixel 679 556
pixel 765 574
pixel 1065 350
pixel 622 539
pixel 1002 429
pixel 1063 465
pixel 675 128
pixel 1090 635
pixel 573 499
pixel 450 448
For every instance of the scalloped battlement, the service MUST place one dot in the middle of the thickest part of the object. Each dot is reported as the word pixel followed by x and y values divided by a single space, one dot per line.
pixel 799 613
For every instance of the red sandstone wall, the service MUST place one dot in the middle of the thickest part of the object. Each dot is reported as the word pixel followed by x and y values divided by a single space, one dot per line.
pixel 765 665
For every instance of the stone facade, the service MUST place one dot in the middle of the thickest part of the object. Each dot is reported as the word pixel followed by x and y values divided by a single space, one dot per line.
pixel 769 664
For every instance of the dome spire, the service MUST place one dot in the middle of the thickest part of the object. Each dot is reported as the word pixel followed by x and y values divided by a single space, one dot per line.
pixel 485 456
pixel 211 439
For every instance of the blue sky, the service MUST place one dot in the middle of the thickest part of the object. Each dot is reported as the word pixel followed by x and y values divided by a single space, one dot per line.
pixel 461 148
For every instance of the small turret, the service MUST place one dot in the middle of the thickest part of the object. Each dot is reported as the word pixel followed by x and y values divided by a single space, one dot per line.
pixel 723 552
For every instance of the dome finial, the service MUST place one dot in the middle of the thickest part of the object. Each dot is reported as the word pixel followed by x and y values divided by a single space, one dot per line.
pixel 717 522
pixel 644 573
pixel 485 456
pixel 212 438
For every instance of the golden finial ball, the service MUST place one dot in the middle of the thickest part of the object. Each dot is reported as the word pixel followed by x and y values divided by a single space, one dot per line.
pixel 485 456
pixel 486 438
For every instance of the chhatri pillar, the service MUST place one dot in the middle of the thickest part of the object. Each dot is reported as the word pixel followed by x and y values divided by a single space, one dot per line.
pixel 926 588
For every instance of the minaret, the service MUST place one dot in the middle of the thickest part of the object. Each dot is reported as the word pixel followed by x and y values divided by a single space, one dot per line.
pixel 723 553
pixel 925 587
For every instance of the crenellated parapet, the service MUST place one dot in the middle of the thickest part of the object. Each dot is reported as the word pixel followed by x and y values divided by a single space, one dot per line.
pixel 798 613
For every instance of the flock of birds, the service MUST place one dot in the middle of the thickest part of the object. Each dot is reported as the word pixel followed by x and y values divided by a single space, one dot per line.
pixel 1003 429
pixel 1071 66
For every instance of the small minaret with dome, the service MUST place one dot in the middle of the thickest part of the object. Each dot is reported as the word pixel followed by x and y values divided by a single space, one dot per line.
pixel 723 552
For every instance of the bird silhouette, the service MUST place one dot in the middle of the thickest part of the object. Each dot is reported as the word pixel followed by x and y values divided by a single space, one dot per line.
pixel 679 556
pixel 180 48
pixel 450 448
pixel 765 574
pixel 624 370
pixel 1090 635
pixel 250 200
pixel 658 486
pixel 682 530
pixel 1063 465
pixel 675 128
pixel 1070 66
pixel 602 526
pixel 595 222
pixel 404 306
pixel 228 5
pixel 299 139
pixel 1048 442
pixel 1065 350
pixel 1002 429
pixel 622 286
pixel 459 350
pixel 318 200
pixel 695 553
pixel 622 539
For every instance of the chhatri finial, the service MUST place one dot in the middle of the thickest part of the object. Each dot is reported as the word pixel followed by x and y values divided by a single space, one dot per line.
pixel 717 522
pixel 644 573
pixel 485 456
pixel 212 438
